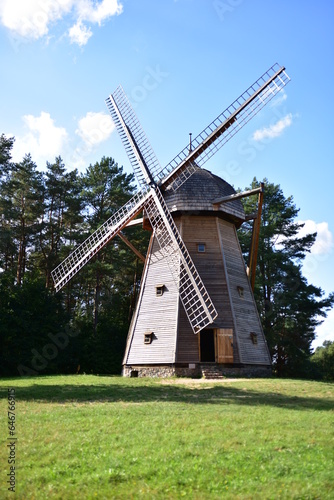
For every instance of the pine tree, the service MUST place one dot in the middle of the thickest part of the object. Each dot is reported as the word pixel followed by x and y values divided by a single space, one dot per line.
pixel 289 307
pixel 105 189
pixel 22 209
pixel 62 217
pixel 6 146
pixel 7 246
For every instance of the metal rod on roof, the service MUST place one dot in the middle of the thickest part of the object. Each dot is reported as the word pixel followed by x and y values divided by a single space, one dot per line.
pixel 190 145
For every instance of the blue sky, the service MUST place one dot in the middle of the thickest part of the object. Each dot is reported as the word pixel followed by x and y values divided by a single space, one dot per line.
pixel 181 62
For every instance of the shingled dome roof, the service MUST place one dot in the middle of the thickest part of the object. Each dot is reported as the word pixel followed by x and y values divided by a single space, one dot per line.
pixel 197 194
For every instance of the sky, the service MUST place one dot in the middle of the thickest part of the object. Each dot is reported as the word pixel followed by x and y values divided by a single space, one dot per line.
pixel 181 63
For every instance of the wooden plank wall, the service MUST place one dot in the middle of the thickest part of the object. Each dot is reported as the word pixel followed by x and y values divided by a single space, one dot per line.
pixel 155 314
pixel 194 230
pixel 222 269
pixel 245 310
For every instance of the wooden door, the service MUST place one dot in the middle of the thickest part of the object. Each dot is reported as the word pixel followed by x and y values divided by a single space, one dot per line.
pixel 224 345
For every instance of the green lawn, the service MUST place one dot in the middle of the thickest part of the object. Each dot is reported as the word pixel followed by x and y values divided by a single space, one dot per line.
pixel 108 437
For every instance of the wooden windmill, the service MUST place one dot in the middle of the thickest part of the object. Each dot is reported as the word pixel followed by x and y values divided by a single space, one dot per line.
pixel 194 280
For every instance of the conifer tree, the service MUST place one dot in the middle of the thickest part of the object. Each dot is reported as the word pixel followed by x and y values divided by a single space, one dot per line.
pixel 290 308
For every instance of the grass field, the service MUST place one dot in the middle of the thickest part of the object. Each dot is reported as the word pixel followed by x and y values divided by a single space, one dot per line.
pixel 108 437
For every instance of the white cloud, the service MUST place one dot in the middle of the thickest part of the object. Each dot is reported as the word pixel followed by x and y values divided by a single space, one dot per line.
pixel 324 241
pixel 32 18
pixel 274 130
pixel 95 128
pixel 44 140
pixel 97 14
pixel 279 99
pixel 80 34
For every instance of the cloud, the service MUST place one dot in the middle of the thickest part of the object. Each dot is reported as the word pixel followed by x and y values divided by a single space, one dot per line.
pixel 95 128
pixel 279 99
pixel 44 140
pixel 92 13
pixel 324 242
pixel 32 19
pixel 103 10
pixel 79 34
pixel 274 130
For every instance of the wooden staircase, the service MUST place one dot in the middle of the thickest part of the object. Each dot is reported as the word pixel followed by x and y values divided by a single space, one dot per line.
pixel 211 371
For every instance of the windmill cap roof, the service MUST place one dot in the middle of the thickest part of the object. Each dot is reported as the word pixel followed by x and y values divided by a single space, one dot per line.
pixel 198 193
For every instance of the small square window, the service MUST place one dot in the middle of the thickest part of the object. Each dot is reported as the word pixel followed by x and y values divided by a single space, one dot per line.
pixel 159 290
pixel 148 337
pixel 253 336
pixel 201 247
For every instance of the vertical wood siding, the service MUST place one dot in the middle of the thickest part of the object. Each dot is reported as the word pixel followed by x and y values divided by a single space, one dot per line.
pixel 154 314
pixel 210 265
pixel 222 270
pixel 245 310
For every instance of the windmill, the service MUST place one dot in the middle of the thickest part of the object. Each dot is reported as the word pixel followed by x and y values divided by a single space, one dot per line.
pixel 193 216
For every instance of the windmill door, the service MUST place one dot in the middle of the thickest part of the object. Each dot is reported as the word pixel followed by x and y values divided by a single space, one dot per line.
pixel 224 345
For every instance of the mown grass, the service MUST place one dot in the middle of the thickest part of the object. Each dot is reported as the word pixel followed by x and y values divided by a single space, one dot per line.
pixel 108 437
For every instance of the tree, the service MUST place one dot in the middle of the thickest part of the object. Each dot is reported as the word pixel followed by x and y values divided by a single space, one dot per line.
pixel 290 308
pixel 61 219
pixel 7 247
pixel 323 359
pixel 105 189
pixel 6 146
pixel 104 288
pixel 21 211
pixel 32 324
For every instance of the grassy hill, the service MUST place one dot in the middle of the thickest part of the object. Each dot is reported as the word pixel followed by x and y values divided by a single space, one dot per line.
pixel 108 437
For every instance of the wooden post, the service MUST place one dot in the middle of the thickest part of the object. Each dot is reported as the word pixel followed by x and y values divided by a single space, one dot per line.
pixel 129 244
pixel 251 271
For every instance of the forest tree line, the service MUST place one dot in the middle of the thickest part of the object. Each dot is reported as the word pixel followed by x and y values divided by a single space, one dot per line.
pixel 46 214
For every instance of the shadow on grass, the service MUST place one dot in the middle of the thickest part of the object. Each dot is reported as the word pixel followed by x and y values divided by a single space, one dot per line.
pixel 132 392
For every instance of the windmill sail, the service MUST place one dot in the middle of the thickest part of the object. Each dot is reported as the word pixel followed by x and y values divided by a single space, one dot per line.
pixel 141 155
pixel 224 127
pixel 97 240
pixel 193 294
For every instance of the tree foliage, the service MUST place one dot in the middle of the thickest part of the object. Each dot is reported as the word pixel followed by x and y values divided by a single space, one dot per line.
pixel 323 359
pixel 44 216
pixel 290 308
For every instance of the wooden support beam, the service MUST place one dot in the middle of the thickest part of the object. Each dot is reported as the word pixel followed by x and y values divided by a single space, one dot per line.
pixel 129 244
pixel 135 222
pixel 237 196
pixel 251 216
pixel 251 269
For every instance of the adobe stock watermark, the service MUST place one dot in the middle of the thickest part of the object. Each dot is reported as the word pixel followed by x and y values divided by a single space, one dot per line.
pixel 152 79
pixel 249 148
pixel 40 359
pixel 150 82
pixel 225 7
pixel 36 25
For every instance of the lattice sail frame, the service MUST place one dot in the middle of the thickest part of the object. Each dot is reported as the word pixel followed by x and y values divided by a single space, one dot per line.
pixel 140 153
pixel 192 292
pixel 224 127
pixel 97 240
